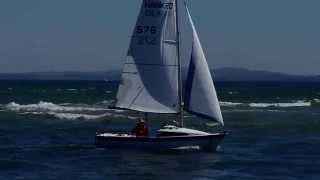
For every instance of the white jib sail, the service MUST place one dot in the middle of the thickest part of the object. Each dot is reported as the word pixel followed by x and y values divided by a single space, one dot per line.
pixel 150 75
pixel 200 96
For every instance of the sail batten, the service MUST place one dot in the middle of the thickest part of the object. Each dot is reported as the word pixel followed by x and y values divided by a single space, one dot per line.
pixel 149 81
pixel 200 94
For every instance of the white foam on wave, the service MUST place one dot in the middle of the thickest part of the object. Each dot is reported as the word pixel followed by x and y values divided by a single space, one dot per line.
pixel 35 113
pixel 106 102
pixel 132 117
pixel 316 100
pixel 299 103
pixel 74 116
pixel 43 106
pixel 242 110
pixel 229 104
pixel 48 106
pixel 70 116
pixel 233 92
pixel 212 124
pixel 117 110
pixel 66 110
pixel 253 110
pixel 283 105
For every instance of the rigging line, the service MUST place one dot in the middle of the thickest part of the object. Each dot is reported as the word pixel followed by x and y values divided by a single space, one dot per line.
pixel 138 94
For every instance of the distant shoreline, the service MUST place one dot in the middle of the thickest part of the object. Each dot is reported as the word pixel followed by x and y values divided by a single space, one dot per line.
pixel 219 75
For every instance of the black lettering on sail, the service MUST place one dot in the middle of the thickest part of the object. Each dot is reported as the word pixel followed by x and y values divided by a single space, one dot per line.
pixel 145 40
pixel 158 5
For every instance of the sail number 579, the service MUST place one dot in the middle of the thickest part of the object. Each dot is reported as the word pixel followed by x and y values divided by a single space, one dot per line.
pixel 146 29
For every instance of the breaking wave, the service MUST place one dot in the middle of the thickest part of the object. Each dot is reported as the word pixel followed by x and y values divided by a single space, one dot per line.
pixel 284 105
pixel 299 103
pixel 79 116
pixel 316 100
pixel 72 89
pixel 229 104
pixel 67 110
pixel 74 116
pixel 48 106
pixel 99 110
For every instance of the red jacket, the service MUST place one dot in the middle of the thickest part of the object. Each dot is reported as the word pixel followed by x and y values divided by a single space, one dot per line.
pixel 141 130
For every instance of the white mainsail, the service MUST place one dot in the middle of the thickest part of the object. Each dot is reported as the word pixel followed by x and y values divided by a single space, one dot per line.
pixel 150 75
pixel 200 96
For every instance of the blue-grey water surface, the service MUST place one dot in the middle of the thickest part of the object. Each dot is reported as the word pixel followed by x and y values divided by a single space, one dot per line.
pixel 47 131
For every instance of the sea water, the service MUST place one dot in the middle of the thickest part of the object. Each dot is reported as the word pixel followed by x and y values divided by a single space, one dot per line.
pixel 47 131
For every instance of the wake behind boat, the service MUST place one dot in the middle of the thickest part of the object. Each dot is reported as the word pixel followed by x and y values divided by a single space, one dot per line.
pixel 151 82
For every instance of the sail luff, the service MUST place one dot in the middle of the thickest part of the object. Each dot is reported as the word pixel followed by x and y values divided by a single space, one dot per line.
pixel 200 96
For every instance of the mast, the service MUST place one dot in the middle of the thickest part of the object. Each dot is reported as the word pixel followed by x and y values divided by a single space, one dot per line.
pixel 179 66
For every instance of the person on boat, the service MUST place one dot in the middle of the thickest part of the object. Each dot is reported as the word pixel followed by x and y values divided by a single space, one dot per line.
pixel 141 129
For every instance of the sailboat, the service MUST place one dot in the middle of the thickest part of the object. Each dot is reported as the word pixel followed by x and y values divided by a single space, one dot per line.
pixel 151 82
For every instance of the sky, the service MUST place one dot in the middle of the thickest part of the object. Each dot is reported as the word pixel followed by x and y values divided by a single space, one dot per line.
pixel 93 35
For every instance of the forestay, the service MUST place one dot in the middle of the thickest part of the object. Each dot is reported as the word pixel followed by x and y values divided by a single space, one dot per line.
pixel 150 75
pixel 200 96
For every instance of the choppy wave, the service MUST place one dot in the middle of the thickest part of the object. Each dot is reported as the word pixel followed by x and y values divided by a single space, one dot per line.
pixel 43 106
pixel 105 102
pixel 230 104
pixel 74 116
pixel 49 106
pixel 299 103
pixel 99 110
pixel 72 89
pixel 67 110
pixel 284 105
pixel 253 110
pixel 316 100
pixel 212 124
pixel 233 92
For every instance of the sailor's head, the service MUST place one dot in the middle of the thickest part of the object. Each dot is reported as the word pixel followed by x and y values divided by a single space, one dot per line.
pixel 141 120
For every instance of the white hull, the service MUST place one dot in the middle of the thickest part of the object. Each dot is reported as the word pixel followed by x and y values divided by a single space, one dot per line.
pixel 205 142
